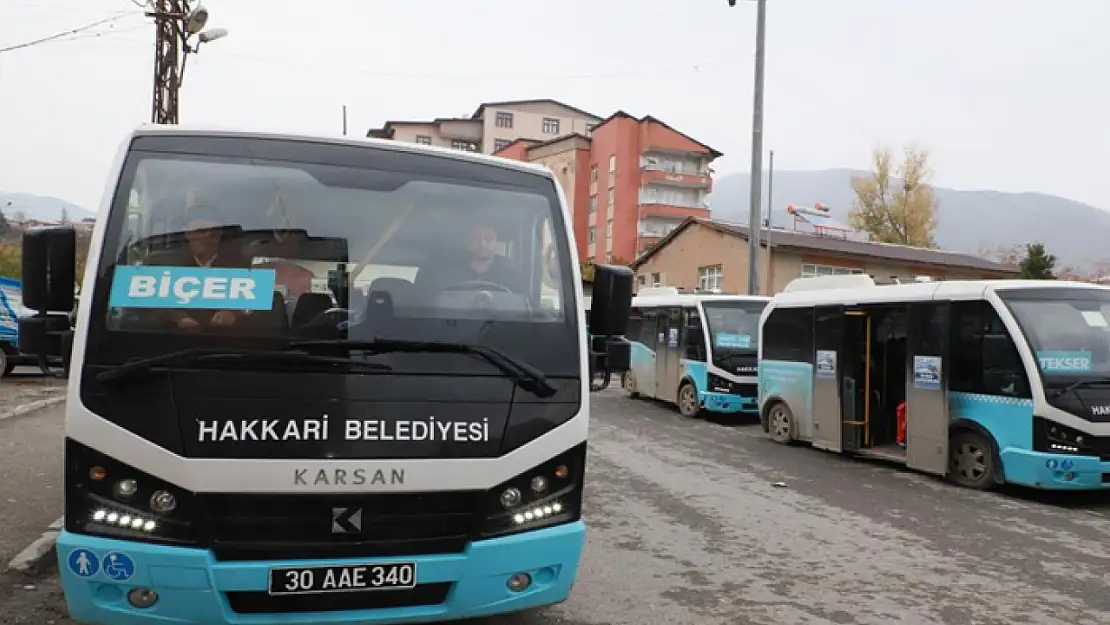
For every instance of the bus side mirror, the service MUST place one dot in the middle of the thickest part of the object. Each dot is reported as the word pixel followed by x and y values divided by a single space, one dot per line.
pixel 49 269
pixel 612 300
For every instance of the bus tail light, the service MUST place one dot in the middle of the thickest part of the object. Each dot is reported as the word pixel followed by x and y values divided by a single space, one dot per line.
pixel 109 498
pixel 546 495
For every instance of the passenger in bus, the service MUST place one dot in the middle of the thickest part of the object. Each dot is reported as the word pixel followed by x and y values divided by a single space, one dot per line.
pixel 480 263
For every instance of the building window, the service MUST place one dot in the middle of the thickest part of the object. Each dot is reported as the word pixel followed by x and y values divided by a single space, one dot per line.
pixel 709 278
pixel 504 120
pixel 642 280
pixel 500 144
pixel 608 257
pixel 592 234
pixel 812 271
pixel 609 229
pixel 656 280
pixel 613 163
pixel 593 174
pixel 590 260
pixel 423 139
pixel 593 203
pixel 550 126
pixel 590 129
pixel 466 146
pixel 610 196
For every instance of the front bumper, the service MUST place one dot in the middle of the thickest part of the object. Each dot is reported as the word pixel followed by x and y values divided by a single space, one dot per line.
pixel 193 588
pixel 1054 471
pixel 725 403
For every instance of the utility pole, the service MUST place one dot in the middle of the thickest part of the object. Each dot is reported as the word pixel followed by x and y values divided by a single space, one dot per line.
pixel 770 205
pixel 168 53
pixel 756 178
pixel 175 23
pixel 344 120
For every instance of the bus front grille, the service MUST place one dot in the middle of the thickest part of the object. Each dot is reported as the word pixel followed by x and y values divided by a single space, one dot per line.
pixel 264 603
pixel 260 527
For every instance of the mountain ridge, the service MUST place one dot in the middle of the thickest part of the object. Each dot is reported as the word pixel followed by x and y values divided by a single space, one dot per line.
pixel 969 220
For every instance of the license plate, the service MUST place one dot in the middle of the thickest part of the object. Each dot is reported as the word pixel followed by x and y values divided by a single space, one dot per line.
pixel 307 580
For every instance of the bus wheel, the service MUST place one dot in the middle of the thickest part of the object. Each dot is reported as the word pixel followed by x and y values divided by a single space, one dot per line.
pixel 780 423
pixel 688 400
pixel 630 384
pixel 970 460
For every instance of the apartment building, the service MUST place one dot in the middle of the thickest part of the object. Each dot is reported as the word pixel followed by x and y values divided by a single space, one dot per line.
pixel 494 125
pixel 629 183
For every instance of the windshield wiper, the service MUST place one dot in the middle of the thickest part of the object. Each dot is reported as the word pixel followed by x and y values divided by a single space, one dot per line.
pixel 138 368
pixel 525 375
pixel 1078 384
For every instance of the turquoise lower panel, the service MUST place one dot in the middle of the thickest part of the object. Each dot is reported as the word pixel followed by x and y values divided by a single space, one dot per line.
pixel 191 584
pixel 724 403
pixel 1009 420
pixel 1053 471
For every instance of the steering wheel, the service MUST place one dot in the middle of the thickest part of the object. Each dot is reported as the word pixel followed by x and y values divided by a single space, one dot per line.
pixel 478 285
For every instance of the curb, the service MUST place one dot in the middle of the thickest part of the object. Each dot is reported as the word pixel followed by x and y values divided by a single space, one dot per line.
pixel 19 411
pixel 35 557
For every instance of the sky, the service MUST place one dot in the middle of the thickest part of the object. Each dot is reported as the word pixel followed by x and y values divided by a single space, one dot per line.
pixel 1006 94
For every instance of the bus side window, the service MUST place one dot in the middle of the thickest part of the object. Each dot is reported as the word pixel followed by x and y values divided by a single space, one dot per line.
pixel 648 329
pixel 788 335
pixel 984 359
pixel 635 324
pixel 693 336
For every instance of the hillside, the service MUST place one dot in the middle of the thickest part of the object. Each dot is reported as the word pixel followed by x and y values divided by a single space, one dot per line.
pixel 40 207
pixel 969 221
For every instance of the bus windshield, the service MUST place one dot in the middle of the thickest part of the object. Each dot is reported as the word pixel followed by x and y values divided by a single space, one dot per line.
pixel 333 252
pixel 1069 330
pixel 733 325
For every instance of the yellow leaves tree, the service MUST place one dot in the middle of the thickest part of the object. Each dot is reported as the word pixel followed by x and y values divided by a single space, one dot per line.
pixel 895 202
pixel 11 260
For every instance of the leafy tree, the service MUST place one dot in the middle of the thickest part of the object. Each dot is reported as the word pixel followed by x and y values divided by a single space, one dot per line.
pixel 11 260
pixel 587 271
pixel 1037 264
pixel 5 226
pixel 83 241
pixel 895 203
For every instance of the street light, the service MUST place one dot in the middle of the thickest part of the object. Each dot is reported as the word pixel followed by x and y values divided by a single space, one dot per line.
pixel 195 22
pixel 756 176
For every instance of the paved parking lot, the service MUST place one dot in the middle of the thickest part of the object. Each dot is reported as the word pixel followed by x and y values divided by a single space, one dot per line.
pixel 703 522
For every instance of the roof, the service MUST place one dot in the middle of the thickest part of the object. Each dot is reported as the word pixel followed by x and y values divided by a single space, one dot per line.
pixel 828 245
pixel 690 299
pixel 386 131
pixel 656 120
pixel 924 291
pixel 382 144
pixel 481 107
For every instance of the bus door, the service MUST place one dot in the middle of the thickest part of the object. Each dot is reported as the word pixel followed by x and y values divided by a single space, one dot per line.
pixel 668 366
pixel 828 342
pixel 857 386
pixel 927 387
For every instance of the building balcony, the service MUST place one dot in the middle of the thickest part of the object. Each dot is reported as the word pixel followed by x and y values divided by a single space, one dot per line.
pixel 669 210
pixel 675 179
pixel 461 129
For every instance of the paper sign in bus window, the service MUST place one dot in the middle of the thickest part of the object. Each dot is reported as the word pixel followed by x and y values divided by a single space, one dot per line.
pixel 826 364
pixel 731 339
pixel 193 288
pixel 1065 361
pixel 926 372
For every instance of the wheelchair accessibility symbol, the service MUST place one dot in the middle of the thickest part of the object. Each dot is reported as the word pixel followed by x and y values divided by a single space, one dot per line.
pixel 119 566
pixel 83 562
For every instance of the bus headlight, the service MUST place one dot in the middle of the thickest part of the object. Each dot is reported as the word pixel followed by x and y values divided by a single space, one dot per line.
pixel 548 494
pixel 1054 438
pixel 108 498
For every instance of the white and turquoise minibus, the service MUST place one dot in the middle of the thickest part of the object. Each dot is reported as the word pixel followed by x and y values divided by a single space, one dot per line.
pixel 985 382
pixel 251 438
pixel 695 350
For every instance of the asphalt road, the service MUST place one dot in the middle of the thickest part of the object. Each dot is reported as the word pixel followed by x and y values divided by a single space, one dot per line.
pixel 700 522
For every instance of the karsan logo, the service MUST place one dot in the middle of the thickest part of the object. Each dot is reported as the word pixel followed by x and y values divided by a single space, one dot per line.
pixel 1100 411
pixel 191 287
